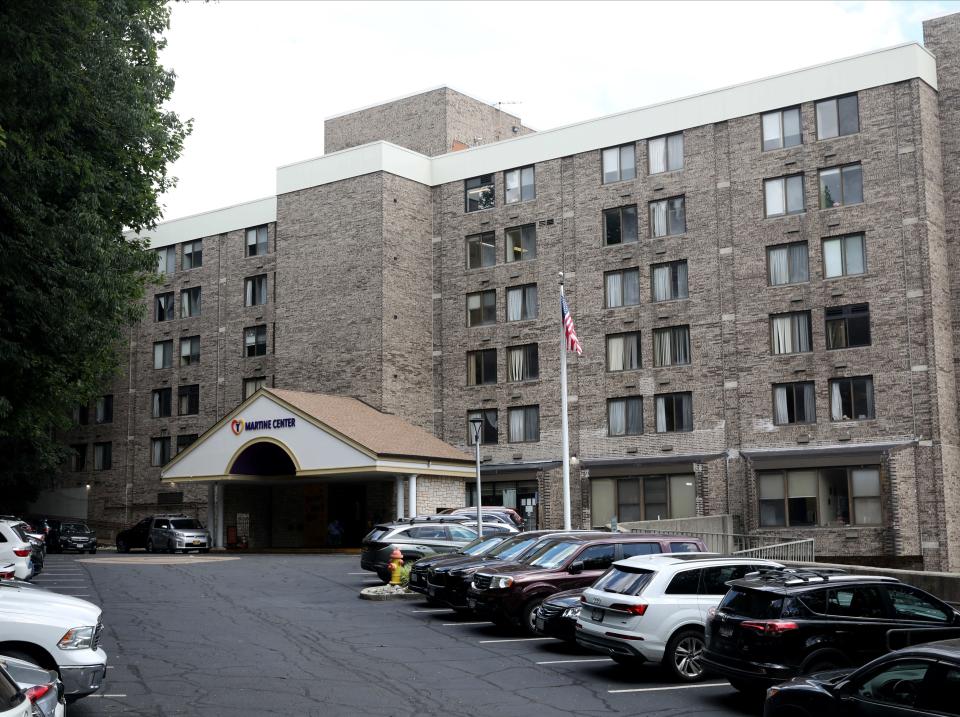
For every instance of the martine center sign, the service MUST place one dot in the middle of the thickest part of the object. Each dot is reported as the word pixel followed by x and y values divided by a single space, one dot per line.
pixel 238 425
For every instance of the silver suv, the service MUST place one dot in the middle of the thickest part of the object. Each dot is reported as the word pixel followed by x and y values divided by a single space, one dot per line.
pixel 175 533
pixel 416 538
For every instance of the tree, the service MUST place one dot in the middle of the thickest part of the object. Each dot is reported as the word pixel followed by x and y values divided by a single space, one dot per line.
pixel 84 147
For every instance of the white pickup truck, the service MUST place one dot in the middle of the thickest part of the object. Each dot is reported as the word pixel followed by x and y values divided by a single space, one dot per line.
pixel 54 631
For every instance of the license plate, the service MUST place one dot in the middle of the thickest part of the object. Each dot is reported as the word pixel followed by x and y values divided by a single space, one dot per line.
pixel 431 591
pixel 726 631
pixel 596 614
pixel 471 603
pixel 540 624
pixel 196 542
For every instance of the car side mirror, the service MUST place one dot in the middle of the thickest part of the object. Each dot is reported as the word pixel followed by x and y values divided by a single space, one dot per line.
pixel 576 568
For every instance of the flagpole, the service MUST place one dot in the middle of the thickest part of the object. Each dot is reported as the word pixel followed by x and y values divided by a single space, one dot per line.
pixel 564 434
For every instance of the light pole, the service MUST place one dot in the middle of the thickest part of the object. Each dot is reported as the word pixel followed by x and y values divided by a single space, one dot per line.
pixel 477 424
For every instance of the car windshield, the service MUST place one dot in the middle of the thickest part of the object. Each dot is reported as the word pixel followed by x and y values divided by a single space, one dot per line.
pixel 186 524
pixel 552 555
pixel 754 604
pixel 513 547
pixel 624 580
pixel 482 546
pixel 74 528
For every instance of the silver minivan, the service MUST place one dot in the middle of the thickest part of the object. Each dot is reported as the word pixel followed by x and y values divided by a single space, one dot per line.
pixel 175 533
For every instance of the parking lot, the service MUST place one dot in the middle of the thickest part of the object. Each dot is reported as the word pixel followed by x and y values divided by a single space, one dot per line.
pixel 278 634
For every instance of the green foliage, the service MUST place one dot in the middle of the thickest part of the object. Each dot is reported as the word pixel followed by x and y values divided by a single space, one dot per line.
pixel 405 573
pixel 84 149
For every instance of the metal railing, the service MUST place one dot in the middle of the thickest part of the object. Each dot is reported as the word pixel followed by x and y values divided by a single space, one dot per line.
pixel 773 547
pixel 801 550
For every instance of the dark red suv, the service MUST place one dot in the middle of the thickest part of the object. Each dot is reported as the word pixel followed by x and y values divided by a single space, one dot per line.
pixel 512 592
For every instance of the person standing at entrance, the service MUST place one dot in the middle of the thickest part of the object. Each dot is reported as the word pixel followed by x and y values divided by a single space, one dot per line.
pixel 335 533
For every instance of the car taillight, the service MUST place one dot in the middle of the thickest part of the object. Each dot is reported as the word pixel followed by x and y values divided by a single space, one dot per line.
pixel 22 553
pixel 36 692
pixel 7 575
pixel 637 609
pixel 770 627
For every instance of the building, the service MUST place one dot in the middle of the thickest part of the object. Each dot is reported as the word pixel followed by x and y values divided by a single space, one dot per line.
pixel 763 278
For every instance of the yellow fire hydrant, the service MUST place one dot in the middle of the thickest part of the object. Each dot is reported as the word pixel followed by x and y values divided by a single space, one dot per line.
pixel 396 566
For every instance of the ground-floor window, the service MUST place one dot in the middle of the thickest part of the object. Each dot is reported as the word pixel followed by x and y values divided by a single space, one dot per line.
pixel 820 496
pixel 634 498
pixel 520 495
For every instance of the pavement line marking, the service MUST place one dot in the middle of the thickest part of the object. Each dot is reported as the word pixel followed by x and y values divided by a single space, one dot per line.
pixel 358 573
pixel 563 662
pixel 438 609
pixel 516 639
pixel 674 687
pixel 106 695
pixel 454 624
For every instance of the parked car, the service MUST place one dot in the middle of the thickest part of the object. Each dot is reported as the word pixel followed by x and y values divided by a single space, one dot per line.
pixel 511 593
pixel 776 625
pixel 493 528
pixel 500 511
pixel 38 547
pixel 653 608
pixel 56 632
pixel 13 702
pixel 41 687
pixel 165 533
pixel 16 549
pixel 557 615
pixel 921 680
pixel 415 541
pixel 76 536
pixel 475 548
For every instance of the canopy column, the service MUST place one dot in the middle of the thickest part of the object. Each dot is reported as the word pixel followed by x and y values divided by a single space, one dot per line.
pixel 412 482
pixel 398 481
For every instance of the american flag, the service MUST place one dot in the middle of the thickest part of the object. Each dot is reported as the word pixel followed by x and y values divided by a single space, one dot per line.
pixel 573 343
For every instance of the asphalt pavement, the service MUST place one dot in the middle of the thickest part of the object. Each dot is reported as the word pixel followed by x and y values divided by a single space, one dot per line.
pixel 286 635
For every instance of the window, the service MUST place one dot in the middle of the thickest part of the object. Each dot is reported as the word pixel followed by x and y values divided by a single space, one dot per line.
pixel 623 351
pixel 255 341
pixel 252 385
pixel 841 185
pixel 685 583
pixel 621 288
pixel 188 400
pixel 597 557
pixel 860 601
pixel 794 403
pixel 668 217
pixel 790 333
pixel 674 412
pixel 783 195
pixel 257 241
pixel 193 254
pixel 619 163
pixel 665 154
pixel 78 457
pixel 163 306
pixel 715 579
pixel 482 308
pixel 481 250
pixel 851 399
pixel 519 185
pixel 81 415
pixel 781 129
pixel 671 346
pixel 481 367
pixel 102 456
pixel 524 424
pixel 190 302
pixel 635 498
pixel 620 225
pixel 185 440
pixel 522 302
pixel 161 402
pixel 159 451
pixel 523 363
pixel 189 350
pixel 837 117
pixel 521 243
pixel 167 260
pixel 103 410
pixel 631 550
pixel 911 604
pixel 844 256
pixel 488 431
pixel 460 533
pixel 163 354
pixel 479 193
pixel 820 496
pixel 255 290
pixel 847 326
pixel 625 416
pixel 898 685
pixel 669 281
pixel 788 264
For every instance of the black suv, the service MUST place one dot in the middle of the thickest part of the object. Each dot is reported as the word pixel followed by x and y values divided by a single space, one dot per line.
pixel 776 624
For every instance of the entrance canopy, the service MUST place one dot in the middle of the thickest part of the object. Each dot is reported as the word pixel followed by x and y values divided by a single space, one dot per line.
pixel 279 435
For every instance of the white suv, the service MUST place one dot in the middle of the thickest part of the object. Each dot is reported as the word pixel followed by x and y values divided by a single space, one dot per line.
pixel 15 548
pixel 654 608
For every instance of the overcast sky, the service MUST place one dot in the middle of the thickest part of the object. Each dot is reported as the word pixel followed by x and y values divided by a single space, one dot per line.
pixel 258 78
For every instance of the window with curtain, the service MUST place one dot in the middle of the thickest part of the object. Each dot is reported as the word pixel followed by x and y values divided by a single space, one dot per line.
pixel 665 154
pixel 524 424
pixel 621 288
pixel 781 129
pixel 159 451
pixel 193 254
pixel 482 308
pixel 674 412
pixel 668 217
pixel 102 456
pixel 479 193
pixel 256 240
pixel 189 350
pixel 838 116
pixel 788 264
pixel 668 281
pixel 78 457
pixel 481 367
pixel 488 432
pixel 163 306
pixel 671 346
pixel 633 498
pixel 851 399
pixel 519 185
pixel 829 496
pixel 841 185
pixel 161 402
pixel 847 326
pixel 523 363
pixel 188 400
pixel 521 243
pixel 790 333
pixel 844 256
pixel 620 225
pixel 481 250
pixel 619 163
pixel 81 415
pixel 163 354
pixel 190 302
pixel 255 290
pixel 625 416
pixel 255 341
pixel 166 260
pixel 252 385
pixel 522 302
pixel 623 351
pixel 103 409
pixel 794 403
pixel 783 195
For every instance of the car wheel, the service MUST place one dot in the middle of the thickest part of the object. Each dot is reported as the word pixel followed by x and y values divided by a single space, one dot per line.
pixel 529 616
pixel 683 657
pixel 150 545
pixel 122 546
pixel 823 660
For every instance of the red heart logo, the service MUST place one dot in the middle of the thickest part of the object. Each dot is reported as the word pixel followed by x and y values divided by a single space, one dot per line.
pixel 236 425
